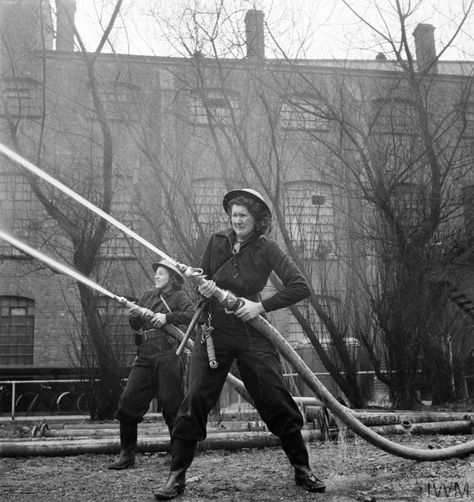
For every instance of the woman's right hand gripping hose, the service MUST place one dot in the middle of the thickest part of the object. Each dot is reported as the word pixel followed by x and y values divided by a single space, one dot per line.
pixel 207 288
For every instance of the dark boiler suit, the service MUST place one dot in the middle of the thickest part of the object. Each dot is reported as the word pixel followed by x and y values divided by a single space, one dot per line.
pixel 156 371
pixel 245 273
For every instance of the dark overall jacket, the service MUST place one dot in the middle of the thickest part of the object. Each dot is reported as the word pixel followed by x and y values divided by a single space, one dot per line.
pixel 156 371
pixel 181 307
pixel 245 274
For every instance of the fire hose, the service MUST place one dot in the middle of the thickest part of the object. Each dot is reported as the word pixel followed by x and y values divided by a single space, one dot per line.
pixel 232 303
pixel 148 314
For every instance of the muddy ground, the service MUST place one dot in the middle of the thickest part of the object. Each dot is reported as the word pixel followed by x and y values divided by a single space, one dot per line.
pixel 352 469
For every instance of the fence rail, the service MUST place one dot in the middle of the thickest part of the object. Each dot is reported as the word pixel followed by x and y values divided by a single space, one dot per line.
pixel 15 395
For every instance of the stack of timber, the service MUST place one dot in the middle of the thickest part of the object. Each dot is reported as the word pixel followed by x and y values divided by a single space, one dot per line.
pixel 402 422
pixel 60 438
pixel 74 439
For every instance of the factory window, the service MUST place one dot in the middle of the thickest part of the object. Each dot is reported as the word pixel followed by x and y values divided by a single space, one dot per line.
pixel 395 117
pixel 467 120
pixel 303 112
pixel 17 322
pixel 22 98
pixel 116 332
pixel 214 107
pixel 310 219
pixel 468 204
pixel 331 305
pixel 408 200
pixel 18 207
pixel 118 244
pixel 466 148
pixel 207 199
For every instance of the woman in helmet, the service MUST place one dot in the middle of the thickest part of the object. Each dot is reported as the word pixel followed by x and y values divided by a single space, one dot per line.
pixel 156 371
pixel 240 260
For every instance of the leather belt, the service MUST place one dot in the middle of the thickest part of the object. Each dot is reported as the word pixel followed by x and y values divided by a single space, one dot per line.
pixel 150 334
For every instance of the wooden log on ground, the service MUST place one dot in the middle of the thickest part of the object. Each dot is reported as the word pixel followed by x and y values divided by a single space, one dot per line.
pixel 231 441
pixel 370 418
pixel 161 431
pixel 399 417
pixel 452 427
pixel 109 425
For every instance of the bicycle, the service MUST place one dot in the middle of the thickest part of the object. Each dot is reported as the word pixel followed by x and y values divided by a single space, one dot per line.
pixel 66 402
pixel 45 400
pixel 85 403
pixel 30 402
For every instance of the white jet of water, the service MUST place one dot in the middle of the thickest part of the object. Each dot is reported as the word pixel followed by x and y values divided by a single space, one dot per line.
pixel 53 263
pixel 45 176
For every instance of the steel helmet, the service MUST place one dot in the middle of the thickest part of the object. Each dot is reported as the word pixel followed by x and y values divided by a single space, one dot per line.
pixel 245 192
pixel 170 266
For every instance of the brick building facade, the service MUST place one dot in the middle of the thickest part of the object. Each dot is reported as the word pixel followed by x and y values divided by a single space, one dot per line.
pixel 183 130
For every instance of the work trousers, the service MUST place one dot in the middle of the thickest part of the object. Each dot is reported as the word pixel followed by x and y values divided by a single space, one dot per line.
pixel 155 373
pixel 259 368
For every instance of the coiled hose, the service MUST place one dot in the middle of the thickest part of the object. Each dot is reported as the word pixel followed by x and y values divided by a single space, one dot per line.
pixel 345 415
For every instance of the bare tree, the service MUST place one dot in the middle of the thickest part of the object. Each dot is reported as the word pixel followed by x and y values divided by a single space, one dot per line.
pixel 398 152
pixel 84 156
pixel 227 114
pixel 363 173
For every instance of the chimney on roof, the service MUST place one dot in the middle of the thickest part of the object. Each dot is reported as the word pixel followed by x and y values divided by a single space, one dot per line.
pixel 254 34
pixel 25 26
pixel 65 11
pixel 425 48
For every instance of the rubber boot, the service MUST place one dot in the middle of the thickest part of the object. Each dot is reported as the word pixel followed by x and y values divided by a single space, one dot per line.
pixel 128 443
pixel 294 447
pixel 182 454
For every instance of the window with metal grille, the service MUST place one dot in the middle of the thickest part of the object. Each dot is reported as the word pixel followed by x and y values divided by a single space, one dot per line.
pixel 468 203
pixel 333 308
pixel 465 112
pixel 395 117
pixel 466 123
pixel 310 219
pixel 469 129
pixel 408 201
pixel 120 103
pixel 17 202
pixel 302 112
pixel 22 98
pixel 208 194
pixel 116 330
pixel 17 323
pixel 214 106
pixel 117 243
pixel 331 305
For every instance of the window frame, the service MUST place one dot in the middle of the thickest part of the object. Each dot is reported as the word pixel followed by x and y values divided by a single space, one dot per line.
pixel 299 112
pixel 220 103
pixel 112 316
pixel 399 124
pixel 315 240
pixel 10 331
pixel 17 201
pixel 208 193
pixel 22 97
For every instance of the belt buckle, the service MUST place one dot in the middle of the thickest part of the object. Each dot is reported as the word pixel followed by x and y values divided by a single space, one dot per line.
pixel 145 334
